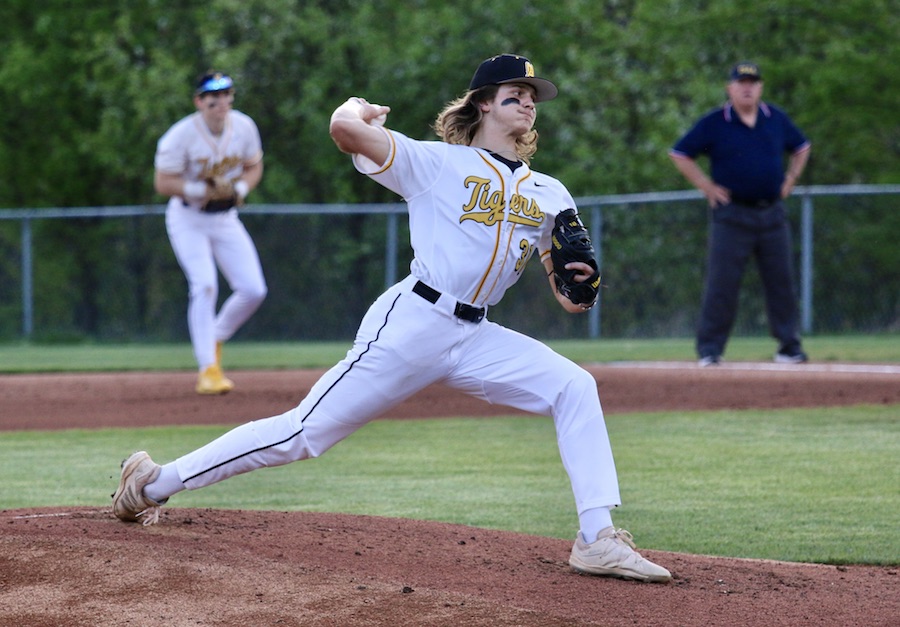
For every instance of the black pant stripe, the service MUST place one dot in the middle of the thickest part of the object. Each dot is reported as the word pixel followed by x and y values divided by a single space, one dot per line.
pixel 312 409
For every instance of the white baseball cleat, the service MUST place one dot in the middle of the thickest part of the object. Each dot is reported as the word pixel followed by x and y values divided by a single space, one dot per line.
pixel 129 502
pixel 612 554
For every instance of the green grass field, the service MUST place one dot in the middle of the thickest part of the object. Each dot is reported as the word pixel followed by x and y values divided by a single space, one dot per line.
pixel 799 485
pixel 26 357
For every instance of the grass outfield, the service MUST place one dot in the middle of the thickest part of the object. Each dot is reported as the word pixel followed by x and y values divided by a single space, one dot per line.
pixel 27 357
pixel 814 485
pixel 798 485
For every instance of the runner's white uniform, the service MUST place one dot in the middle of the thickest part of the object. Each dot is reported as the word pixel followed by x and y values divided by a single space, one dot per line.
pixel 473 226
pixel 201 240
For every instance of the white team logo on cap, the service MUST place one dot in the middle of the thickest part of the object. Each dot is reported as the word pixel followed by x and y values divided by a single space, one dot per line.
pixel 529 69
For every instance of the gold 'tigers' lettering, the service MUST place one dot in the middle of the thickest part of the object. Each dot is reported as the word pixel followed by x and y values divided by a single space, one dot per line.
pixel 490 204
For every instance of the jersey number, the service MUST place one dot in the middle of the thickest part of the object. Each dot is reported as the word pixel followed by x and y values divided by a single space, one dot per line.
pixel 527 249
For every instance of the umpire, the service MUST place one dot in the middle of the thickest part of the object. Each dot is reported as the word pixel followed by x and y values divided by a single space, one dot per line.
pixel 745 142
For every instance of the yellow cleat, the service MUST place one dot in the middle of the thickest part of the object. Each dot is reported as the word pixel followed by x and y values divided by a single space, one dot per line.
pixel 212 381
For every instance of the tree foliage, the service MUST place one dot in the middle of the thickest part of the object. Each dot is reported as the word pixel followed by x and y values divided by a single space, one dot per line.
pixel 86 91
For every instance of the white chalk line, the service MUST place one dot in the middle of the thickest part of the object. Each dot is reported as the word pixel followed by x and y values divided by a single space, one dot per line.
pixel 759 366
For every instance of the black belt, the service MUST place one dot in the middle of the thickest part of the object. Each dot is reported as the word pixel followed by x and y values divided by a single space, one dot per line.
pixel 755 203
pixel 213 206
pixel 462 310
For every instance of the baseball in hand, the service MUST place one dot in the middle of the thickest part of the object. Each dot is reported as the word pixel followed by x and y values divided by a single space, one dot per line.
pixel 380 120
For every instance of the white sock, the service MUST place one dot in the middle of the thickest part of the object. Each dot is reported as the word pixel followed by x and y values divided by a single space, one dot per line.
pixel 167 483
pixel 593 521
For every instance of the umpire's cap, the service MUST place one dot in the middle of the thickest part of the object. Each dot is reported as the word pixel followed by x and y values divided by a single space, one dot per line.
pixel 511 68
pixel 745 70
pixel 213 81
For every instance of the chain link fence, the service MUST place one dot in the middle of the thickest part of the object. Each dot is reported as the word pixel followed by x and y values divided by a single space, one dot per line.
pixel 108 273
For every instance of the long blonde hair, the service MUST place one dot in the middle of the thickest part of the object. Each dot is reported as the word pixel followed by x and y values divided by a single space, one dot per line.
pixel 459 122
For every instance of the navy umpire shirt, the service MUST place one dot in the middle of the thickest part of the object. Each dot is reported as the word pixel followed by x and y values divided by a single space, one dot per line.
pixel 747 161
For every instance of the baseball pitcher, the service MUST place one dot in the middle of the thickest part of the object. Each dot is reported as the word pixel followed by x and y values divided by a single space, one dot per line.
pixel 477 213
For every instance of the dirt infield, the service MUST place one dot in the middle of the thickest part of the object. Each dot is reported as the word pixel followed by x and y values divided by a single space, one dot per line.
pixel 80 566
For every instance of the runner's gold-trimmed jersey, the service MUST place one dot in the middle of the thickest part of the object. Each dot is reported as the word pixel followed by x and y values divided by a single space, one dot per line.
pixel 189 148
pixel 474 223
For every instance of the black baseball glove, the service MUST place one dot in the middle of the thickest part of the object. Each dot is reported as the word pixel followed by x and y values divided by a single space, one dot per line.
pixel 570 242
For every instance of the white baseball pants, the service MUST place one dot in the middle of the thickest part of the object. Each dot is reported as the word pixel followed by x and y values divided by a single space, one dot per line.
pixel 203 241
pixel 404 344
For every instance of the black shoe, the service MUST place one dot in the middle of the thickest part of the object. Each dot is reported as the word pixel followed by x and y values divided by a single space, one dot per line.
pixel 790 356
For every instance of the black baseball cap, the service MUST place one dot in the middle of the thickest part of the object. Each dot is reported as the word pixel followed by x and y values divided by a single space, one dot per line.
pixel 511 68
pixel 743 70
pixel 213 81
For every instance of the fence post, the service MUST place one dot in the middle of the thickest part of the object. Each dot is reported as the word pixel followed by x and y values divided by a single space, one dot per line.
pixel 390 251
pixel 806 264
pixel 596 237
pixel 27 281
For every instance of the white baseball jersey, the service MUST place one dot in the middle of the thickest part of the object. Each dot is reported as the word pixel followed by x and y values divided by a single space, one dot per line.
pixel 189 149
pixel 474 224
pixel 202 240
